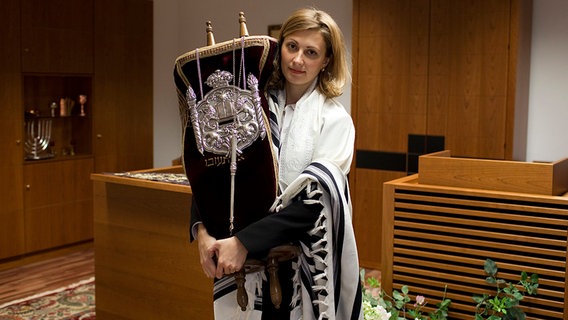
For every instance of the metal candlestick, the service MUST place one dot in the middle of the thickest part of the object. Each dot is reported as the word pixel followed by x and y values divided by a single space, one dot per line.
pixel 38 135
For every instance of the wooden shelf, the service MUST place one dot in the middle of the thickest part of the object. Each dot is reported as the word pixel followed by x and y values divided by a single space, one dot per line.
pixel 71 133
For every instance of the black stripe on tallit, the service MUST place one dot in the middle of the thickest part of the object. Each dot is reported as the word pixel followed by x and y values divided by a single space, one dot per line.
pixel 356 309
pixel 313 296
pixel 338 223
pixel 274 127
pixel 223 286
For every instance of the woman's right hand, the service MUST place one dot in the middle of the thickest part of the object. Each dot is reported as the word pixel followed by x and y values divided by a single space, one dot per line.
pixel 207 252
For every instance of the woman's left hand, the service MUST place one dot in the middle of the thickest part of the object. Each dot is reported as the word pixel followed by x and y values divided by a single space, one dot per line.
pixel 231 256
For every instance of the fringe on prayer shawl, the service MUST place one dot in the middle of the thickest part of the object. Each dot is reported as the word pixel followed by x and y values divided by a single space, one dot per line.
pixel 326 278
pixel 225 306
pixel 329 265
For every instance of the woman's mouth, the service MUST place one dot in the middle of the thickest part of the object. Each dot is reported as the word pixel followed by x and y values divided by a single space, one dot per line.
pixel 296 71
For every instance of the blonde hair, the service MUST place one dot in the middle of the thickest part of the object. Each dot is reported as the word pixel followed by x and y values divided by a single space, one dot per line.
pixel 333 79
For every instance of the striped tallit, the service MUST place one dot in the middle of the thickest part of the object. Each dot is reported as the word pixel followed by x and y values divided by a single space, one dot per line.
pixel 326 278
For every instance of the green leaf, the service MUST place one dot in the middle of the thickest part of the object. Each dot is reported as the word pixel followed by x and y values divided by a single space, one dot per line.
pixel 373 282
pixel 509 290
pixel 518 295
pixel 444 304
pixel 490 267
pixel 404 289
pixel 397 296
pixel 394 315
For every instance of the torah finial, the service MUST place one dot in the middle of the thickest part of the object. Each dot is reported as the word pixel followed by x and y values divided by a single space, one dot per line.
pixel 243 23
pixel 210 37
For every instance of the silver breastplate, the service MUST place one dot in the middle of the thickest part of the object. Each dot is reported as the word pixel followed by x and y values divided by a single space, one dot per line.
pixel 224 112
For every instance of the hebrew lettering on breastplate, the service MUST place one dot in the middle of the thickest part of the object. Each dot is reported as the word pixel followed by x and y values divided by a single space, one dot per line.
pixel 225 111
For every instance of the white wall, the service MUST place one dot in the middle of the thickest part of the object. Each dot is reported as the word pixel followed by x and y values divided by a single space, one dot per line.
pixel 167 124
pixel 179 27
pixel 547 137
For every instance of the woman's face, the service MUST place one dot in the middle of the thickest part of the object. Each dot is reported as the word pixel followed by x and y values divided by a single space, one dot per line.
pixel 303 56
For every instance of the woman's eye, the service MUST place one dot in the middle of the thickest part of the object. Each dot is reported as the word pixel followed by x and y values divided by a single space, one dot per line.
pixel 311 53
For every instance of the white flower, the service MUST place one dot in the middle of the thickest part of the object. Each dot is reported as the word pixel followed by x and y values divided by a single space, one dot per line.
pixel 375 313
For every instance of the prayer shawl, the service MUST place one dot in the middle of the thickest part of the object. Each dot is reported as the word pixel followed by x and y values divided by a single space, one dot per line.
pixel 326 281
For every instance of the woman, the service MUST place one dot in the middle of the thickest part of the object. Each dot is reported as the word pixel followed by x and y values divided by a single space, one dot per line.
pixel 313 136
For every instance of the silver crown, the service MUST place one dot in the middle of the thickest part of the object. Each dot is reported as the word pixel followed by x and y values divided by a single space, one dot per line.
pixel 219 79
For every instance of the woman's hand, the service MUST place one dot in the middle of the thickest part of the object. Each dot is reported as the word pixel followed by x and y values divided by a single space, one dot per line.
pixel 231 256
pixel 206 251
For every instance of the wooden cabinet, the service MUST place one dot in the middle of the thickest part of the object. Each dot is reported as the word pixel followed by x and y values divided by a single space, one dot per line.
pixel 53 106
pixel 57 36
pixel 123 85
pixel 11 130
pixel 58 202
pixel 428 76
pixel 47 53
pixel 141 230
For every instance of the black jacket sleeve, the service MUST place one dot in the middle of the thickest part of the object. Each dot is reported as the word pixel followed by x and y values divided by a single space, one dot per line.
pixel 195 217
pixel 286 226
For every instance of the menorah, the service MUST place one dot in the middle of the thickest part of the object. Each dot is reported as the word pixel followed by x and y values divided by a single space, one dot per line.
pixel 38 135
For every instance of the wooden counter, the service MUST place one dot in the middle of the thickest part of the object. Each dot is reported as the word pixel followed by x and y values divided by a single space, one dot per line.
pixel 439 233
pixel 145 267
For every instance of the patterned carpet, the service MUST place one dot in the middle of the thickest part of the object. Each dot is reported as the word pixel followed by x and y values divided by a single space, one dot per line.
pixel 75 302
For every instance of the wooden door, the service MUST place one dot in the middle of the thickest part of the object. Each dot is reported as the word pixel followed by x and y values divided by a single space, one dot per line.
pixel 429 75
pixel 123 112
pixel 57 36
pixel 11 131
pixel 58 203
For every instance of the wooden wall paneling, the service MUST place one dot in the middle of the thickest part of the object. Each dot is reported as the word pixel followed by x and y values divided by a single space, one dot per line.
pixel 390 89
pixel 434 69
pixel 478 71
pixel 439 68
pixel 123 126
pixel 57 36
pixel 137 117
pixel 367 220
pixel 476 79
pixel 11 130
pixel 387 234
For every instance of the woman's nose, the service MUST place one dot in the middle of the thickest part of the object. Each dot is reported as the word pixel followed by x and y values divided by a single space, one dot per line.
pixel 298 58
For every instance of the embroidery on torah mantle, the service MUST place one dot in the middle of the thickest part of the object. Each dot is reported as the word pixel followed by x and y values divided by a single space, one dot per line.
pixel 223 108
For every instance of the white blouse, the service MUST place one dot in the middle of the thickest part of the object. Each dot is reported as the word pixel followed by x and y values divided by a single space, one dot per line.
pixel 315 128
